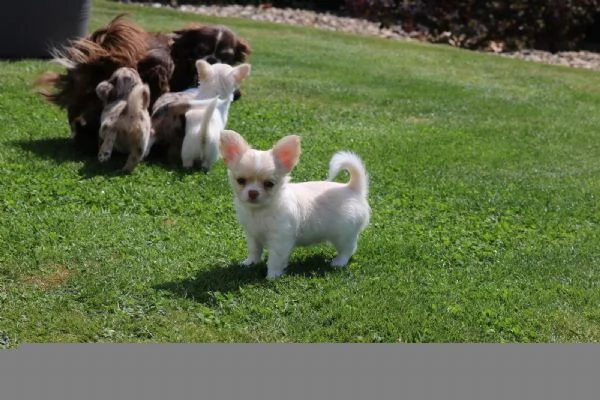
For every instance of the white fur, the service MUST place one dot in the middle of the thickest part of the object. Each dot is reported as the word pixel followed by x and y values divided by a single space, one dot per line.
pixel 218 82
pixel 300 214
pixel 202 131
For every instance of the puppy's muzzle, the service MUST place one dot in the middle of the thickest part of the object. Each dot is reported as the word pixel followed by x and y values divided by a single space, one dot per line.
pixel 253 195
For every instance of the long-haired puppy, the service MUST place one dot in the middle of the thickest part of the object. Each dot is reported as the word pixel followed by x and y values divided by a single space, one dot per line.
pixel 212 43
pixel 162 60
pixel 89 61
pixel 195 110
pixel 125 121
pixel 279 215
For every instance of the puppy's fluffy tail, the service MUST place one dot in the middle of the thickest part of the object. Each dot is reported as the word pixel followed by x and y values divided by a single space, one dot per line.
pixel 359 180
pixel 206 118
pixel 139 98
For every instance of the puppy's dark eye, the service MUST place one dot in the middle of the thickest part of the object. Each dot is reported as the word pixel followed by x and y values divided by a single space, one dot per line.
pixel 241 181
pixel 268 184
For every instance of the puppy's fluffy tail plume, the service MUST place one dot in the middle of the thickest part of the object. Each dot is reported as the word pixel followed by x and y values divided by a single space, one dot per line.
pixel 359 180
pixel 206 118
pixel 139 98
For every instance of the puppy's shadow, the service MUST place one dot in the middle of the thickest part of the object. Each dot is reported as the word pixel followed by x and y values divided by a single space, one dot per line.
pixel 230 278
pixel 315 265
pixel 223 279
pixel 62 150
pixel 159 159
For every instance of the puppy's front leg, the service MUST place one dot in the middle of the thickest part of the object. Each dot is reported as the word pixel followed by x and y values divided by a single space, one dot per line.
pixel 279 255
pixel 255 250
pixel 109 136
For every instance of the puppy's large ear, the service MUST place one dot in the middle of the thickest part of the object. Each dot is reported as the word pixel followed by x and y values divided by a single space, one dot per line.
pixel 287 152
pixel 103 90
pixel 232 146
pixel 204 69
pixel 242 50
pixel 240 72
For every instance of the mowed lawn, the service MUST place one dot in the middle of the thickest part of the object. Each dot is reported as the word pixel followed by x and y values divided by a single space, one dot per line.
pixel 485 178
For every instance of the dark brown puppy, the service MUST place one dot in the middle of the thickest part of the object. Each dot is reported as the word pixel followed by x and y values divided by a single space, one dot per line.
pixel 89 61
pixel 156 68
pixel 212 43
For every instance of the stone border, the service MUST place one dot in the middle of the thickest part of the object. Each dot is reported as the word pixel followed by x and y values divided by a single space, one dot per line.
pixel 327 21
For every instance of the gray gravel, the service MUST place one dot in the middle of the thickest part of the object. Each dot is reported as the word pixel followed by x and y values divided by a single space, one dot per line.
pixel 576 59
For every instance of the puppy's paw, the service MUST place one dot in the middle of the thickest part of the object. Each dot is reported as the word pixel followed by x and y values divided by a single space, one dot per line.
pixel 271 275
pixel 339 261
pixel 127 169
pixel 205 167
pixel 248 262
pixel 104 156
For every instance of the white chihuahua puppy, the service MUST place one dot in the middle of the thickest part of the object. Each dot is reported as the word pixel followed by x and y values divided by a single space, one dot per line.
pixel 279 215
pixel 209 111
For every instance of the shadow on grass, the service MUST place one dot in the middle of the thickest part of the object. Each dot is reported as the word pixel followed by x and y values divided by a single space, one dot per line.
pixel 62 150
pixel 230 278
pixel 59 150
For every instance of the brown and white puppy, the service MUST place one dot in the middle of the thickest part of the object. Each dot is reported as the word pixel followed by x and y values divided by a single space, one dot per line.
pixel 212 43
pixel 178 112
pixel 125 121
pixel 168 125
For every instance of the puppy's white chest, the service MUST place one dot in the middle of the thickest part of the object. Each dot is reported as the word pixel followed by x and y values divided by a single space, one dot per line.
pixel 265 225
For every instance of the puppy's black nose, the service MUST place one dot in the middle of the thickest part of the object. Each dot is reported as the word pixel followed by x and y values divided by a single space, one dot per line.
pixel 211 59
pixel 253 194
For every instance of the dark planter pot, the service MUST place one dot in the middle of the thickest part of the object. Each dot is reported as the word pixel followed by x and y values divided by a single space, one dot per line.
pixel 30 28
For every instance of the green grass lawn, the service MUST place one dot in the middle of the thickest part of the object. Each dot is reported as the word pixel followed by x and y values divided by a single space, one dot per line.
pixel 485 178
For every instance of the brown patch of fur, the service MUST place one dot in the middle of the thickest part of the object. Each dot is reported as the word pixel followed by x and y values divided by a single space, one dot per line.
pixel 168 124
pixel 124 40
pixel 156 69
pixel 58 277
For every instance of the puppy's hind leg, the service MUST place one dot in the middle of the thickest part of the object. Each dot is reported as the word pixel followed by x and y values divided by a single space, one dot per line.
pixel 109 136
pixel 345 246
pixel 139 139
pixel 210 155
pixel 187 152
pixel 134 158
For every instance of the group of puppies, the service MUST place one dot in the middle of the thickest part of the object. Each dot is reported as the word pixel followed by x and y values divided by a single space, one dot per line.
pixel 120 74
pixel 129 90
